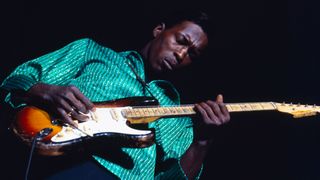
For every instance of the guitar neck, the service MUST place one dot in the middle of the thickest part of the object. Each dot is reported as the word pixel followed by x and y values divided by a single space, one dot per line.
pixel 185 110
pixel 257 106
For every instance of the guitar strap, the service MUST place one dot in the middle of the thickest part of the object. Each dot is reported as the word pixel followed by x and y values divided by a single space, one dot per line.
pixel 143 83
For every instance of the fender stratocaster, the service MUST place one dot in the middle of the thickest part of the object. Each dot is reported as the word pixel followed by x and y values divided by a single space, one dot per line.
pixel 110 123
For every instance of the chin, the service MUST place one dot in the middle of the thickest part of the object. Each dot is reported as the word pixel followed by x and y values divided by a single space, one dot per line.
pixel 157 69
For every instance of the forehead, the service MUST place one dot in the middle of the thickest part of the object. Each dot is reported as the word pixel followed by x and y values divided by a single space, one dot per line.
pixel 193 31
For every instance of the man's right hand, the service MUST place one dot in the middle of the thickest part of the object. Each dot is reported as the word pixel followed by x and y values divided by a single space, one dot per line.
pixel 66 102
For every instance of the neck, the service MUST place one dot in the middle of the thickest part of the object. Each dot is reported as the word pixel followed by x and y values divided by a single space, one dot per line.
pixel 150 74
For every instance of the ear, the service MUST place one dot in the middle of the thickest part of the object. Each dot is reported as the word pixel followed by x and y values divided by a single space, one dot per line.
pixel 159 29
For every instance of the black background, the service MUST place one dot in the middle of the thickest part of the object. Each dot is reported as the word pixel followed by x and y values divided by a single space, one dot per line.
pixel 262 50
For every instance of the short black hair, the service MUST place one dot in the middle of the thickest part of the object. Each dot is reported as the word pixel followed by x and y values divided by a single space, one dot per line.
pixel 199 17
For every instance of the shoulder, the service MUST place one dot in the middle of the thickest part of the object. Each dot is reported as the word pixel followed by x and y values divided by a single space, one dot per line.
pixel 84 42
pixel 90 47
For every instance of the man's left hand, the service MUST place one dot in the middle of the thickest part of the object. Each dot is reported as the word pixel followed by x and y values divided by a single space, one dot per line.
pixel 212 114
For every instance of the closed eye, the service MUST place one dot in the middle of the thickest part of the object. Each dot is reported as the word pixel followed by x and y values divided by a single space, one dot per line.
pixel 181 39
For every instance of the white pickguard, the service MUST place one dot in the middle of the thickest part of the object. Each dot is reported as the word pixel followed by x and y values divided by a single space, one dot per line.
pixel 103 120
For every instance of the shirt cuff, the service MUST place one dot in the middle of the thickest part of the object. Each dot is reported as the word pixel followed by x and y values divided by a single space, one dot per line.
pixel 18 82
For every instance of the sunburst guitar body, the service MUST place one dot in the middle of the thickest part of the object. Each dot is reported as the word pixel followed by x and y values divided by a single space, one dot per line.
pixel 106 125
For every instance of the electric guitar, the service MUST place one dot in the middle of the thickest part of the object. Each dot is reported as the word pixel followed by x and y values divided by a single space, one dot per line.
pixel 111 123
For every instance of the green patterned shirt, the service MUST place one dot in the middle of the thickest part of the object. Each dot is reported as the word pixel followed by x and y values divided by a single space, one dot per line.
pixel 102 74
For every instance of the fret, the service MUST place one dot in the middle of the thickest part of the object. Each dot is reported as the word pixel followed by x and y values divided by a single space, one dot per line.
pixel 150 112
pixel 256 106
pixel 245 107
pixel 237 107
pixel 155 111
pixel 268 106
pixel 189 110
pixel 141 112
pixel 126 112
pixel 179 110
pixel 162 110
pixel 172 110
pixel 144 111
pixel 233 108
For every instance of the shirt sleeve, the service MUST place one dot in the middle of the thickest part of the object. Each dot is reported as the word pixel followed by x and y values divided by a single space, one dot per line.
pixel 57 68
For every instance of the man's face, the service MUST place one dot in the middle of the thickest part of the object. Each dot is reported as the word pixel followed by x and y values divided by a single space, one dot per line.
pixel 176 47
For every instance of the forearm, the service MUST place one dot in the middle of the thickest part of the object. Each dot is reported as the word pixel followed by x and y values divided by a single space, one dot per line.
pixel 191 162
pixel 211 114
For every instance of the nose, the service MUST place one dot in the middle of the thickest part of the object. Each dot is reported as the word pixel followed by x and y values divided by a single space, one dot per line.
pixel 181 53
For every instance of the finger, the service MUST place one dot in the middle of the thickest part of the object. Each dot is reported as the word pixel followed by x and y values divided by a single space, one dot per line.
pixel 225 112
pixel 86 102
pixel 78 105
pixel 65 117
pixel 74 102
pixel 223 108
pixel 80 117
pixel 70 105
pixel 208 116
pixel 202 112
pixel 210 113
pixel 66 106
pixel 216 111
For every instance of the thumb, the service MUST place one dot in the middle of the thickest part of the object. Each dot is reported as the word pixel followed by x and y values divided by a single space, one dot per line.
pixel 219 98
